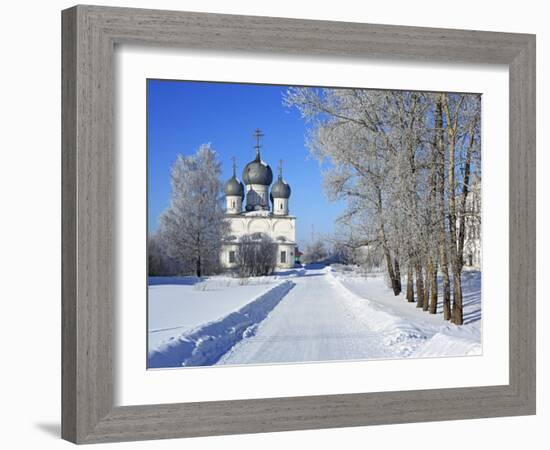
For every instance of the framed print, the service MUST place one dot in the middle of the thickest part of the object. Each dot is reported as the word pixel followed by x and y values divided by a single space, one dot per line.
pixel 256 209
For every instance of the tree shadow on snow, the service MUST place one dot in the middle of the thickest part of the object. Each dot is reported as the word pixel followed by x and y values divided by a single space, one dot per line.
pixel 315 266
pixel 471 294
pixel 297 273
pixel 179 281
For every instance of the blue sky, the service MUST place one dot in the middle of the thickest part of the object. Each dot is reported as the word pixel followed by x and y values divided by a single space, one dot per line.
pixel 182 115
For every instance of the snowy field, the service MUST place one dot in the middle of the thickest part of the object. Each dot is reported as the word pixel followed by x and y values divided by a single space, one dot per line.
pixel 182 309
pixel 314 314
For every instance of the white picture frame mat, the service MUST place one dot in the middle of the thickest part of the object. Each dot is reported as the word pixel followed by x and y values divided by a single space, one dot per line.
pixel 135 385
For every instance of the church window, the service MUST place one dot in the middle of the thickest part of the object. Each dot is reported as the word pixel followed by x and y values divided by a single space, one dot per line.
pixel 283 256
pixel 232 256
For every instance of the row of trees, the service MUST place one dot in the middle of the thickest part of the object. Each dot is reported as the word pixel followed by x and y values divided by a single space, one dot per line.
pixel 328 250
pixel 404 163
pixel 315 251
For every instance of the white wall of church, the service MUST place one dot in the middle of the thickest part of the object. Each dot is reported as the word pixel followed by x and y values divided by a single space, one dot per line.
pixel 281 229
pixel 233 204
pixel 228 256
pixel 275 227
pixel 285 256
pixel 280 206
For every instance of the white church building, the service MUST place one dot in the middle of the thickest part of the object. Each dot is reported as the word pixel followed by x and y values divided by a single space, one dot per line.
pixel 266 210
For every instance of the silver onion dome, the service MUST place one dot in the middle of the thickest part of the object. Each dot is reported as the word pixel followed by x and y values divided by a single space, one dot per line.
pixel 280 189
pixel 234 187
pixel 257 172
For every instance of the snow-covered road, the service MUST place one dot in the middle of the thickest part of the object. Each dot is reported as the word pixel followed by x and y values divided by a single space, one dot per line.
pixel 312 323
pixel 326 318
pixel 301 315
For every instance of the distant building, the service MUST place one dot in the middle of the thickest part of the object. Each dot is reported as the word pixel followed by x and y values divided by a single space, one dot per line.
pixel 472 230
pixel 265 211
pixel 297 255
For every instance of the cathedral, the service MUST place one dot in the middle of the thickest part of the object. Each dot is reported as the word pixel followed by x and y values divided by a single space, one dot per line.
pixel 266 210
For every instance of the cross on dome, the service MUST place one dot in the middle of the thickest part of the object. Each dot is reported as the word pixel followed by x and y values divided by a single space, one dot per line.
pixel 258 135
pixel 234 166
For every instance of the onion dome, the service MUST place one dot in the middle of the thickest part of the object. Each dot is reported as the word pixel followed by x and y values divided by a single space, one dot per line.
pixel 281 188
pixel 234 187
pixel 257 171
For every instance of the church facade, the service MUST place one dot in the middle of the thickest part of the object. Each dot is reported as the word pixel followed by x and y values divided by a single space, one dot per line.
pixel 253 206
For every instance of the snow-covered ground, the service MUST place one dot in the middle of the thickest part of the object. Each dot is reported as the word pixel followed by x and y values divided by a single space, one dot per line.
pixel 299 315
pixel 415 332
pixel 179 304
pixel 185 309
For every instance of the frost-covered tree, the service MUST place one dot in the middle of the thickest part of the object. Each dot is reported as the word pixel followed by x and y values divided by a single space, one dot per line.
pixel 462 114
pixel 350 129
pixel 193 226
pixel 402 161
pixel 257 255
pixel 158 261
pixel 315 251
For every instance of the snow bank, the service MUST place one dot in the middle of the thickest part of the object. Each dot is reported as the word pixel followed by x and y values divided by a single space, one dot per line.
pixel 177 305
pixel 205 344
pixel 406 330
pixel 400 336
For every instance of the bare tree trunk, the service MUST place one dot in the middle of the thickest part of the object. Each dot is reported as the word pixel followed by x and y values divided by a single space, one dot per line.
pixel 446 287
pixel 452 206
pixel 434 214
pixel 441 211
pixel 433 290
pixel 427 286
pixel 397 273
pixel 391 273
pixel 464 196
pixel 395 286
pixel 410 287
pixel 456 254
pixel 419 286
pixel 458 317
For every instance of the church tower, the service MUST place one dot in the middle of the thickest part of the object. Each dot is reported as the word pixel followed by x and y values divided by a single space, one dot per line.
pixel 280 193
pixel 257 176
pixel 234 193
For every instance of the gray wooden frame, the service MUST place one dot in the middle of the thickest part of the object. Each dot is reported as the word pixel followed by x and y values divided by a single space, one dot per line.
pixel 89 37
